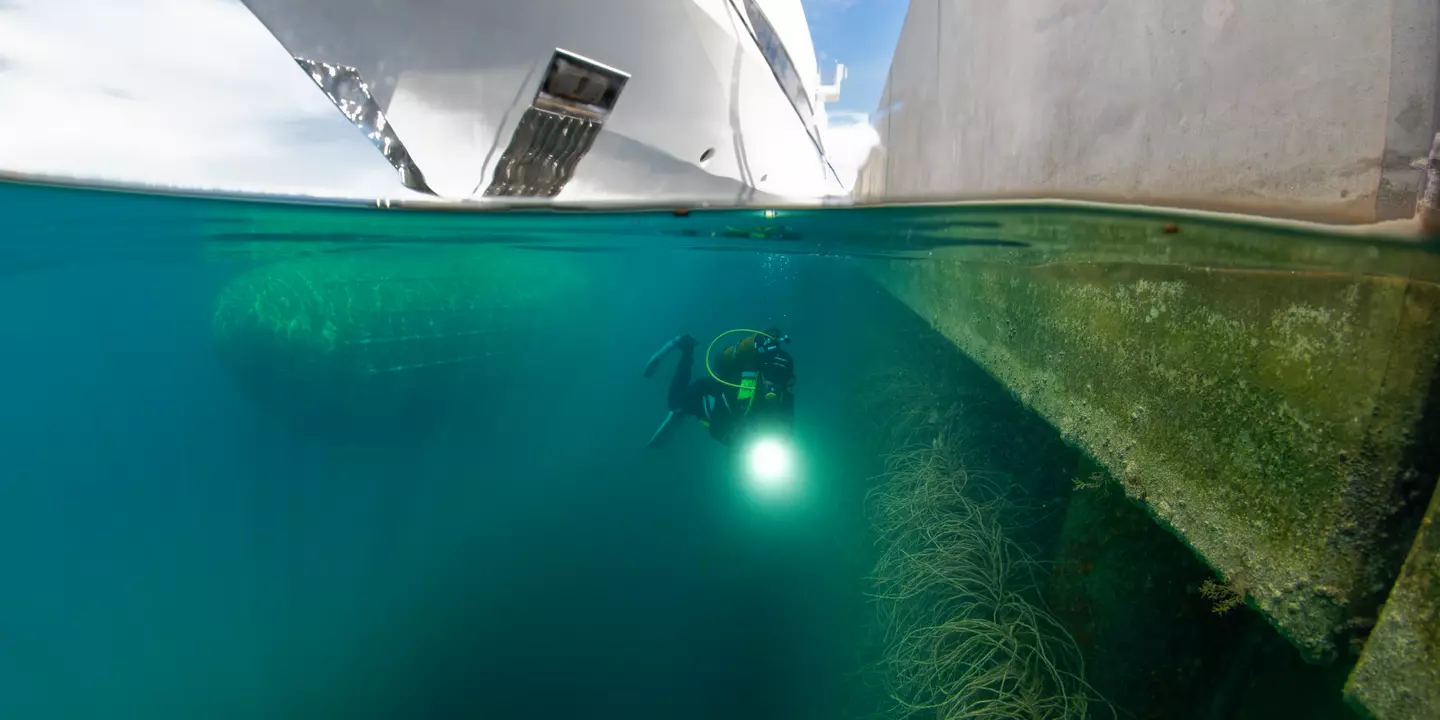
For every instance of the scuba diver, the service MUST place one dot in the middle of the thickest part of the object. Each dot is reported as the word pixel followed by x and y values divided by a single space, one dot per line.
pixel 748 387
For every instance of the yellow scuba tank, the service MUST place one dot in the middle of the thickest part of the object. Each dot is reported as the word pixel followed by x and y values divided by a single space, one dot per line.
pixel 751 383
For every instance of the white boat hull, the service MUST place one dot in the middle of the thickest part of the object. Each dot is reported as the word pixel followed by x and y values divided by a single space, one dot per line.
pixel 702 116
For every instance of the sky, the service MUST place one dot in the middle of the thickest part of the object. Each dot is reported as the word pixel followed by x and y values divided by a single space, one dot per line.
pixel 87 92
pixel 862 35
pixel 218 104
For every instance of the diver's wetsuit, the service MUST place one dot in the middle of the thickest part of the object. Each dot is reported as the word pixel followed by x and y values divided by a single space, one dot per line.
pixel 717 404
pixel 705 398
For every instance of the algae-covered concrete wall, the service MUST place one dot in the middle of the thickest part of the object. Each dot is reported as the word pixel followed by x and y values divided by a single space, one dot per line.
pixel 1263 415
pixel 1128 592
pixel 1399 674
pixel 1307 109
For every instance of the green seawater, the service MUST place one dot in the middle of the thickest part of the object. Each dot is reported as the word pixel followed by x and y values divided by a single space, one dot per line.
pixel 276 458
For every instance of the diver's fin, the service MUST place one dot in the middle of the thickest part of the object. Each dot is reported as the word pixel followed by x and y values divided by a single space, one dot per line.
pixel 684 342
pixel 654 363
pixel 665 431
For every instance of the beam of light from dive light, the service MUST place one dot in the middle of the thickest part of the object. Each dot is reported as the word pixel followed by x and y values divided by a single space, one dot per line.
pixel 771 463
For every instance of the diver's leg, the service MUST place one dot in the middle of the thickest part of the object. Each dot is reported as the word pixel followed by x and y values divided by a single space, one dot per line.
pixel 680 392
pixel 691 401
pixel 680 381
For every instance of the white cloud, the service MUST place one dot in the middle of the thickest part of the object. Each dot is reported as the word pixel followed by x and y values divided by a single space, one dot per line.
pixel 849 138
pixel 187 93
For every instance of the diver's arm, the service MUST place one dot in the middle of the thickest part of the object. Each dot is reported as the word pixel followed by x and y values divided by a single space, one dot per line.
pixel 779 367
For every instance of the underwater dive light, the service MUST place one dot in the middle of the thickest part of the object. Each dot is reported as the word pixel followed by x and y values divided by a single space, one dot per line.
pixel 770 460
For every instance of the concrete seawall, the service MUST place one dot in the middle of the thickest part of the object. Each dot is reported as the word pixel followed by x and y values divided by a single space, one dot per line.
pixel 1271 412
pixel 1312 109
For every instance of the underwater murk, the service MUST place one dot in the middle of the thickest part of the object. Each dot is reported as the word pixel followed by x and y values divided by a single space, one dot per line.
pixel 270 459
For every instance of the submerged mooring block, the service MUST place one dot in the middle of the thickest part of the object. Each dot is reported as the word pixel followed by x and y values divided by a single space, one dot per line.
pixel 1263 415
pixel 392 335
